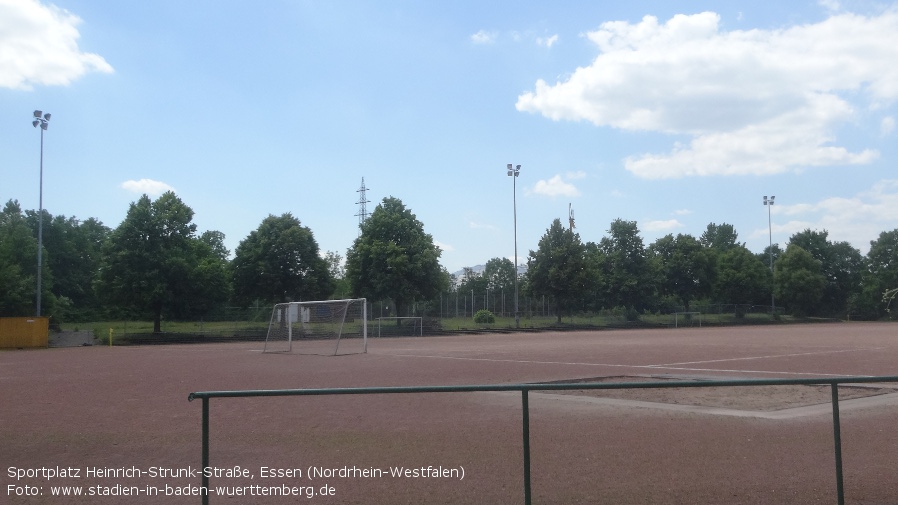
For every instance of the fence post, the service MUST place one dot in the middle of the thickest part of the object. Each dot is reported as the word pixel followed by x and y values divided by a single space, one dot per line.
pixel 205 490
pixel 837 440
pixel 525 407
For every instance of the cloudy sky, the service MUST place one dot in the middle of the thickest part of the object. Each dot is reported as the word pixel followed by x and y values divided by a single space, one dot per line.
pixel 671 114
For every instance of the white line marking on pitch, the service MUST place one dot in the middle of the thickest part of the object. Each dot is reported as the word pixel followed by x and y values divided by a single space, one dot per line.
pixel 650 367
pixel 771 356
pixel 813 374
pixel 790 413
pixel 507 360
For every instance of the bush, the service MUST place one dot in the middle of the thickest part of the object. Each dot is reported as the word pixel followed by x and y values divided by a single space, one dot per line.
pixel 484 316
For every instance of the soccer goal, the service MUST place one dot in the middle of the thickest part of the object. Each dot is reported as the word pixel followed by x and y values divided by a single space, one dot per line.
pixel 328 327
pixel 688 319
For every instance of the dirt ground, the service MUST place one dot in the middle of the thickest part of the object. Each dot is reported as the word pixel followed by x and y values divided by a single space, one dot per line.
pixel 120 409
pixel 763 398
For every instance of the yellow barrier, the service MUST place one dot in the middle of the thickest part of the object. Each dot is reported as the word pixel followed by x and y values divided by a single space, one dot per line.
pixel 19 332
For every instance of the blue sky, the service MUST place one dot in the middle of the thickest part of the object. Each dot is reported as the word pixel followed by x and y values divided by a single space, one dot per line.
pixel 671 114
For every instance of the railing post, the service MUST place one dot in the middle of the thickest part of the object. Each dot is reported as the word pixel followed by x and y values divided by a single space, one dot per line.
pixel 205 490
pixel 837 440
pixel 525 408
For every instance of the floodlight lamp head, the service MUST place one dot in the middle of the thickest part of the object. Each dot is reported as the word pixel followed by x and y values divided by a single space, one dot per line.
pixel 34 123
pixel 43 125
pixel 38 113
pixel 509 167
pixel 47 116
pixel 510 173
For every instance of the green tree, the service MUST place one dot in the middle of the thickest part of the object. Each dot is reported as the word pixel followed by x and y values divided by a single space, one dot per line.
pixel 558 268
pixel 770 255
pixel 841 264
pixel 208 275
pixel 799 281
pixel 472 286
pixel 500 274
pixel 880 276
pixel 742 278
pixel 18 263
pixel 720 237
pixel 153 263
pixel 595 261
pixel 215 240
pixel 473 282
pixel 393 258
pixel 628 274
pixel 685 267
pixel 338 273
pixel 280 262
pixel 73 254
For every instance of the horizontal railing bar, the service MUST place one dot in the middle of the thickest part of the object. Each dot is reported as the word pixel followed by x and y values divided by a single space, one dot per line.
pixel 542 387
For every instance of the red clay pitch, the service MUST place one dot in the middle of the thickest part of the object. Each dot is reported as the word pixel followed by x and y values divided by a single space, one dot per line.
pixel 120 418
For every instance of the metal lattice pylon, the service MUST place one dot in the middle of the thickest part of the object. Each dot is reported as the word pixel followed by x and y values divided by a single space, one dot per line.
pixel 363 200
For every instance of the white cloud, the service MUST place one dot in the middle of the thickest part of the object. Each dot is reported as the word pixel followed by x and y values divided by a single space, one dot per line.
pixel 682 212
pixel 547 41
pixel 751 102
pixel 887 126
pixel 554 187
pixel 857 219
pixel 483 37
pixel 443 247
pixel 146 186
pixel 39 45
pixel 653 226
pixel 830 5
pixel 480 226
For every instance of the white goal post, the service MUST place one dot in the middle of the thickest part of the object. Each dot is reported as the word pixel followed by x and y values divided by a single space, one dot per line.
pixel 319 327
pixel 687 316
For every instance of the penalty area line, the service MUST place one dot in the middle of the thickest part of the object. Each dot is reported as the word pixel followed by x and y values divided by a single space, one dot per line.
pixel 496 360
pixel 771 356
pixel 755 372
pixel 641 367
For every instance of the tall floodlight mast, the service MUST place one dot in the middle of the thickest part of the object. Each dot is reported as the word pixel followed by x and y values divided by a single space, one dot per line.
pixel 513 172
pixel 42 120
pixel 363 200
pixel 769 204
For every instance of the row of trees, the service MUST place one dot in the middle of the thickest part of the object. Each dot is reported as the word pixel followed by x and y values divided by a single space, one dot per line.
pixel 156 265
pixel 812 277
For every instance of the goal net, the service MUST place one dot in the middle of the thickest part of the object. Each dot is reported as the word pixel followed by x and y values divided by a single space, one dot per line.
pixel 327 327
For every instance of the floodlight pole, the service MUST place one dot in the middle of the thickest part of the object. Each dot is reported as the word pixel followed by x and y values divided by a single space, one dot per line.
pixel 513 172
pixel 769 204
pixel 42 120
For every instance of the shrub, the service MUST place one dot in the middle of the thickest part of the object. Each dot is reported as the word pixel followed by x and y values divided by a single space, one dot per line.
pixel 484 316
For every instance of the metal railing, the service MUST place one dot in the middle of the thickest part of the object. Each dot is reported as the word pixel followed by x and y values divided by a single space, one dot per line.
pixel 525 389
